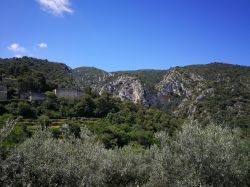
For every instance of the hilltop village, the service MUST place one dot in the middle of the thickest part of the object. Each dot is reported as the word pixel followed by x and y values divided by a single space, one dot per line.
pixel 9 91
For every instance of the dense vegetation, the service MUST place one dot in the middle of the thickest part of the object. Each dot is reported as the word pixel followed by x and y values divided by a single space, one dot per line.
pixel 103 141
pixel 90 76
pixel 148 77
pixel 116 123
pixel 230 102
pixel 55 73
pixel 194 157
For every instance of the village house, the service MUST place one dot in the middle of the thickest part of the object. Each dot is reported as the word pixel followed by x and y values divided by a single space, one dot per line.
pixel 68 93
pixel 32 96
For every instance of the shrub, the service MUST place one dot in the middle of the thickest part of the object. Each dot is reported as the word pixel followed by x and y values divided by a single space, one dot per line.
pixel 199 157
pixel 7 127
pixel 2 109
pixel 44 161
pixel 44 121
pixel 25 110
pixel 195 156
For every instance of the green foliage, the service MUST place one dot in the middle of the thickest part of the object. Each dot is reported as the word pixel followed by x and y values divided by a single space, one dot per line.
pixel 18 135
pixel 12 108
pixel 210 156
pixel 230 102
pixel 32 82
pixel 2 109
pixel 89 76
pixel 82 162
pixel 6 125
pixel 119 124
pixel 4 118
pixel 25 109
pixel 66 107
pixel 55 73
pixel 85 108
pixel 44 121
pixel 194 157
pixel 149 78
pixel 105 104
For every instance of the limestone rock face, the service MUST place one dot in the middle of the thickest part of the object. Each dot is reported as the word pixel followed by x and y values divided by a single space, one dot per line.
pixel 183 91
pixel 126 88
pixel 177 85
pixel 180 82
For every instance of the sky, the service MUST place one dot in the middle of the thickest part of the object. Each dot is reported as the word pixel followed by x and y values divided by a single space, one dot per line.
pixel 127 34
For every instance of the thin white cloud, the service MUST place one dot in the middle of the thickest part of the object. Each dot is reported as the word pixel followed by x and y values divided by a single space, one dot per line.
pixel 42 45
pixel 15 47
pixel 18 56
pixel 56 7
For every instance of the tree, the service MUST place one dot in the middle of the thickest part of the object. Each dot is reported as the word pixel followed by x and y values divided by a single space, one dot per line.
pixel 89 91
pixel 39 162
pixel 2 109
pixel 32 82
pixel 86 107
pixel 44 121
pixel 51 102
pixel 105 104
pixel 24 109
pixel 210 156
pixel 6 129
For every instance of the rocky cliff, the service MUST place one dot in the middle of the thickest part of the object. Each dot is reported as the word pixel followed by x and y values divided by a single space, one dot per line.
pixel 125 87
pixel 214 92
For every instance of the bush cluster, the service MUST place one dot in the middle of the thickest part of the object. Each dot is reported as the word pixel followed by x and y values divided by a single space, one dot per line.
pixel 196 156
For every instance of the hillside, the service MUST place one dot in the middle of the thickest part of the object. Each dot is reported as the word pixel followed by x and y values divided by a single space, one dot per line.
pixel 90 76
pixel 173 128
pixel 219 94
pixel 215 92
pixel 148 77
pixel 58 73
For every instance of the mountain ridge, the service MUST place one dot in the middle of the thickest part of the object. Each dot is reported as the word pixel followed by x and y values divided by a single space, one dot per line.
pixel 216 92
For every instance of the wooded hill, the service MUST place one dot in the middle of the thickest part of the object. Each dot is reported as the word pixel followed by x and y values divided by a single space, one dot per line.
pixel 216 92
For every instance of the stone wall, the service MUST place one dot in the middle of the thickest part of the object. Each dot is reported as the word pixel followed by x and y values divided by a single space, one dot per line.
pixel 24 95
pixel 32 96
pixel 3 93
pixel 68 93
pixel 37 96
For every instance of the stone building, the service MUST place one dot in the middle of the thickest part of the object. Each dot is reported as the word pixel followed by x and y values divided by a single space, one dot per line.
pixel 68 93
pixel 32 96
pixel 3 93
pixel 24 95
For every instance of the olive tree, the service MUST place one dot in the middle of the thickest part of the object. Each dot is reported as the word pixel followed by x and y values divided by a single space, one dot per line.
pixel 7 127
pixel 45 161
pixel 210 156
pixel 195 156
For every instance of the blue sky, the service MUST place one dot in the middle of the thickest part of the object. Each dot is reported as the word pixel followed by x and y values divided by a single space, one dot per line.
pixel 127 34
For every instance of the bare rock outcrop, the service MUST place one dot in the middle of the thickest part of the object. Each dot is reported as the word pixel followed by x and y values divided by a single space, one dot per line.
pixel 180 83
pixel 126 88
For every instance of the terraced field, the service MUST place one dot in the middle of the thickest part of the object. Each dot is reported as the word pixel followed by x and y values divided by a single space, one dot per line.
pixel 25 128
